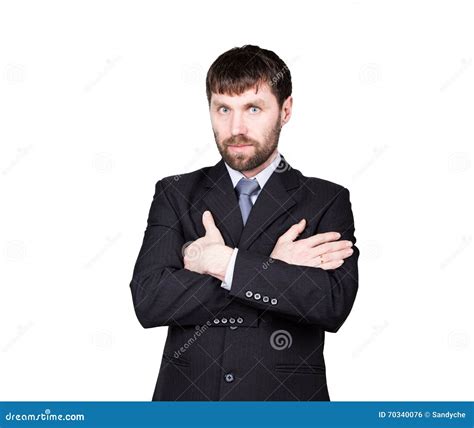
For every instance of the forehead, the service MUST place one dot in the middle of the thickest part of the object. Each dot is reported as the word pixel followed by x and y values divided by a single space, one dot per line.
pixel 263 94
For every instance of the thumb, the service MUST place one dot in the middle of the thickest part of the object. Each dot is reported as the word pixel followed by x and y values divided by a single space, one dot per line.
pixel 292 233
pixel 208 222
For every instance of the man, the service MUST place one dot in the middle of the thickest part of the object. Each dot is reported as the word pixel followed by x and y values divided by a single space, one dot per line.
pixel 248 262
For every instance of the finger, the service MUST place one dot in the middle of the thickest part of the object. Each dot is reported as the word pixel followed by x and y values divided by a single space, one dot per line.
pixel 330 257
pixel 322 238
pixel 292 233
pixel 208 222
pixel 331 247
pixel 331 265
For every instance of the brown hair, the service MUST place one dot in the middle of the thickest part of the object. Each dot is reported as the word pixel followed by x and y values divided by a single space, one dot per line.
pixel 240 69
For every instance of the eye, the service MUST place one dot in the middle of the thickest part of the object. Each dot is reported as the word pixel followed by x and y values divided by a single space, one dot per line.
pixel 223 109
pixel 254 109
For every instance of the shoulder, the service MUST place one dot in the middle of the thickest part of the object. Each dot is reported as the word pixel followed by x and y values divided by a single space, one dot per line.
pixel 182 183
pixel 321 186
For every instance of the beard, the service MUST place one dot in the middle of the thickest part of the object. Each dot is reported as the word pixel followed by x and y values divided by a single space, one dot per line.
pixel 261 150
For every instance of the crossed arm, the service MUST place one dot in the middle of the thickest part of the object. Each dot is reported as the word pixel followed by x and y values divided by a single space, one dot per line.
pixel 172 286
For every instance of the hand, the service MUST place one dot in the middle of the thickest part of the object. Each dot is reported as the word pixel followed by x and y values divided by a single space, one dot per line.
pixel 316 251
pixel 209 254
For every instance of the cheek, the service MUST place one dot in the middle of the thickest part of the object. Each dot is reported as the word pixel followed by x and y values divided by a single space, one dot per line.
pixel 219 125
pixel 260 127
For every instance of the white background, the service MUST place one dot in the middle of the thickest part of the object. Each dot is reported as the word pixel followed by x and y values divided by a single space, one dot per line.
pixel 100 99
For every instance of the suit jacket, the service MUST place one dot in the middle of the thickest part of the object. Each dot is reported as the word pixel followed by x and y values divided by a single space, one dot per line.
pixel 263 339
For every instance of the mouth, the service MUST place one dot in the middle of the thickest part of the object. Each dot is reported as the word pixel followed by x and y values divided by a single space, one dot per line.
pixel 240 147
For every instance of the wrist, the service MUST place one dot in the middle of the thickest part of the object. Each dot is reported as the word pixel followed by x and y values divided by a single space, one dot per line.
pixel 219 260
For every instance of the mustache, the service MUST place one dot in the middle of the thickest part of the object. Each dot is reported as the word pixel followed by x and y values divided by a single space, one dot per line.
pixel 239 141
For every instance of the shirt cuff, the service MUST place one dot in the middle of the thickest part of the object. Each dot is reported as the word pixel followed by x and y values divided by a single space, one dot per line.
pixel 229 273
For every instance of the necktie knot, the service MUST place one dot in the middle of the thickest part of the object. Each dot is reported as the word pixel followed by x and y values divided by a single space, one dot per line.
pixel 247 186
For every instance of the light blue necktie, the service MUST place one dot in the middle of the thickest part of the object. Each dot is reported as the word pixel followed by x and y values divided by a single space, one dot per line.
pixel 245 188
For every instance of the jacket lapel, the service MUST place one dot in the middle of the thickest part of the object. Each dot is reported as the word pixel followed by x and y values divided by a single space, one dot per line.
pixel 221 200
pixel 273 201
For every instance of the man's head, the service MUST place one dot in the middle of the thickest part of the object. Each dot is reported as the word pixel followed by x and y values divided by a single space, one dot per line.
pixel 249 95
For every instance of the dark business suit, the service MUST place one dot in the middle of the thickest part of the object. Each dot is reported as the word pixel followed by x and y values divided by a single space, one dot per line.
pixel 263 339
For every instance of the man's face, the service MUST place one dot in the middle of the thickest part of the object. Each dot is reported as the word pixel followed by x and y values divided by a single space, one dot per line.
pixel 246 127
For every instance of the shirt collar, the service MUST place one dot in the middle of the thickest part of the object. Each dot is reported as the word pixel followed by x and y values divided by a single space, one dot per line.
pixel 262 177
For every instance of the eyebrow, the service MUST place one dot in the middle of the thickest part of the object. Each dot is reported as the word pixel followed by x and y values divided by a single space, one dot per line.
pixel 256 102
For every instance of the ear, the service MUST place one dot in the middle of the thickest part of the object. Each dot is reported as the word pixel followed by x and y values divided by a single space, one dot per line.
pixel 286 110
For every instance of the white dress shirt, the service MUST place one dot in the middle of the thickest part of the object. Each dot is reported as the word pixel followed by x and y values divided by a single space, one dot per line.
pixel 262 177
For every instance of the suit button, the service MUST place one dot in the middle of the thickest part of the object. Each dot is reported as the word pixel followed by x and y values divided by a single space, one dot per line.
pixel 240 320
pixel 229 377
pixel 265 299
pixel 256 296
pixel 232 320
pixel 224 320
pixel 249 294
pixel 274 301
pixel 216 321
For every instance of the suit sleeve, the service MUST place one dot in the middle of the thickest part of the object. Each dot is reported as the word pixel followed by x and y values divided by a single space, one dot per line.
pixel 304 294
pixel 163 292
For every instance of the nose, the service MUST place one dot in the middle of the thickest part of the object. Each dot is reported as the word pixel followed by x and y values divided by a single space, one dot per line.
pixel 238 124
